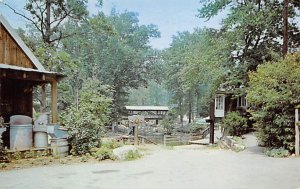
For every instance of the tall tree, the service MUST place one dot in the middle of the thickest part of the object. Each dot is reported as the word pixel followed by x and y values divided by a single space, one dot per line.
pixel 254 29
pixel 119 58
pixel 47 16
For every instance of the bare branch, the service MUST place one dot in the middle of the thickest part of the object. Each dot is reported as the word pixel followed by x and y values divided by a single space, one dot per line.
pixel 24 16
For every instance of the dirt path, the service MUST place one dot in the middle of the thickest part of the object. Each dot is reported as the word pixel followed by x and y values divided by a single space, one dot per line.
pixel 190 167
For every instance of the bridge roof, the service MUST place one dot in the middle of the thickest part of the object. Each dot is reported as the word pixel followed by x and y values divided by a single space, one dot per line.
pixel 147 108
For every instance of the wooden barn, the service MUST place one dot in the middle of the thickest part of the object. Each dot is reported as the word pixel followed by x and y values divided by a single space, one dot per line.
pixel 20 71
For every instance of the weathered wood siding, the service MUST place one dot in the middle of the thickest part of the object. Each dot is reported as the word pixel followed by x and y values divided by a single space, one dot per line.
pixel 11 53
pixel 16 98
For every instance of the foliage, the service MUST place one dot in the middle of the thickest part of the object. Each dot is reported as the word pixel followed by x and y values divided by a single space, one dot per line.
pixel 3 152
pixel 47 16
pixel 274 92
pixel 29 154
pixel 168 122
pixel 3 165
pixel 106 150
pixel 104 153
pixel 132 155
pixel 234 124
pixel 193 69
pixel 154 94
pixel 85 122
pixel 277 153
pixel 17 155
pixel 115 50
pixel 253 30
pixel 197 128
pixel 111 144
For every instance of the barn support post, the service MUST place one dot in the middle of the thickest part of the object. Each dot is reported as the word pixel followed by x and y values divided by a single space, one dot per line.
pixel 296 131
pixel 54 101
pixel 212 121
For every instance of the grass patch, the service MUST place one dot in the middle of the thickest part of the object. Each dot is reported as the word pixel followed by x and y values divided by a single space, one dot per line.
pixel 132 155
pixel 214 146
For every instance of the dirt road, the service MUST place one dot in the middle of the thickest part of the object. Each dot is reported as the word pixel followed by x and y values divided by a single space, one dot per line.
pixel 191 167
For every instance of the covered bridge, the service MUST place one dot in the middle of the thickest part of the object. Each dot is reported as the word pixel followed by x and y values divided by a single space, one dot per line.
pixel 149 112
pixel 20 71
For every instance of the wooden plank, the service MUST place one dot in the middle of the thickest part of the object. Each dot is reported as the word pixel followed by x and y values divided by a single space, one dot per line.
pixel 11 53
pixel 1 45
pixel 5 49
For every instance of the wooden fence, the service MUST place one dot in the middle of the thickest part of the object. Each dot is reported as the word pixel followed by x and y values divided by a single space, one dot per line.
pixel 176 140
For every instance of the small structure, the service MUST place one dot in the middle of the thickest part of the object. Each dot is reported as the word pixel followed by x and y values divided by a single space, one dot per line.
pixel 20 71
pixel 149 112
pixel 225 103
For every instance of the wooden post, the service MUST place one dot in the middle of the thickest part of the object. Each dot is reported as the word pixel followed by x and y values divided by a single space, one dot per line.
pixel 212 121
pixel 136 135
pixel 54 101
pixel 296 132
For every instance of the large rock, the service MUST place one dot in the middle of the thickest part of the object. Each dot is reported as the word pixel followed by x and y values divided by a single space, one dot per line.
pixel 121 152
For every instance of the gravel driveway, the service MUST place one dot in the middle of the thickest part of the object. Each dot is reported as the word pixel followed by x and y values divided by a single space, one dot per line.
pixel 189 167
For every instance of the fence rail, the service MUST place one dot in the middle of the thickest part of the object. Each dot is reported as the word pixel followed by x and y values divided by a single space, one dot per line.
pixel 173 140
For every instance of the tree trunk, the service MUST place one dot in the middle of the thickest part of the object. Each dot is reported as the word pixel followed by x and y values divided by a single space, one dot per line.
pixel 180 111
pixel 43 99
pixel 197 103
pixel 48 23
pixel 285 27
pixel 190 109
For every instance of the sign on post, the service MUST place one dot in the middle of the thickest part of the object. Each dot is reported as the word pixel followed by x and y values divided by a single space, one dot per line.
pixel 134 122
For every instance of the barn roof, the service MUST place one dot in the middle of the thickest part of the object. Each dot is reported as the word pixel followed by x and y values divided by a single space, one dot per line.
pixel 147 108
pixel 21 43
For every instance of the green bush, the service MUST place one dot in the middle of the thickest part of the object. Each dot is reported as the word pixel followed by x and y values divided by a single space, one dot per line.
pixel 168 122
pixel 196 128
pixel 29 154
pixel 277 152
pixel 111 144
pixel 3 165
pixel 274 92
pixel 106 150
pixel 3 152
pixel 104 153
pixel 85 121
pixel 132 155
pixel 234 124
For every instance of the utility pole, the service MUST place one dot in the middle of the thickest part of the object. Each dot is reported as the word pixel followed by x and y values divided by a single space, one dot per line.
pixel 285 27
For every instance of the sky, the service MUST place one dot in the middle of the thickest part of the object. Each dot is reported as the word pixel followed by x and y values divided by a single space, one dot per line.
pixel 171 16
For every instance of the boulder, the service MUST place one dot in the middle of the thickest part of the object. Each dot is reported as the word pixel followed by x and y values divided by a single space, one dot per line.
pixel 121 152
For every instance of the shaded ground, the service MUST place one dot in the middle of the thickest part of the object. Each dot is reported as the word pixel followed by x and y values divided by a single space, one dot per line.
pixel 182 167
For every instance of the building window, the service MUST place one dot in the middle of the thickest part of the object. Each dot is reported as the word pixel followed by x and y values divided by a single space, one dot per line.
pixel 242 102
pixel 220 102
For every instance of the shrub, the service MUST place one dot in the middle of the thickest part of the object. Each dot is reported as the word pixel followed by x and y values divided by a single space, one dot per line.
pixel 29 154
pixel 274 92
pixel 132 155
pixel 3 152
pixel 234 124
pixel 111 144
pixel 196 128
pixel 86 120
pixel 17 155
pixel 104 153
pixel 277 152
pixel 168 122
pixel 106 150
